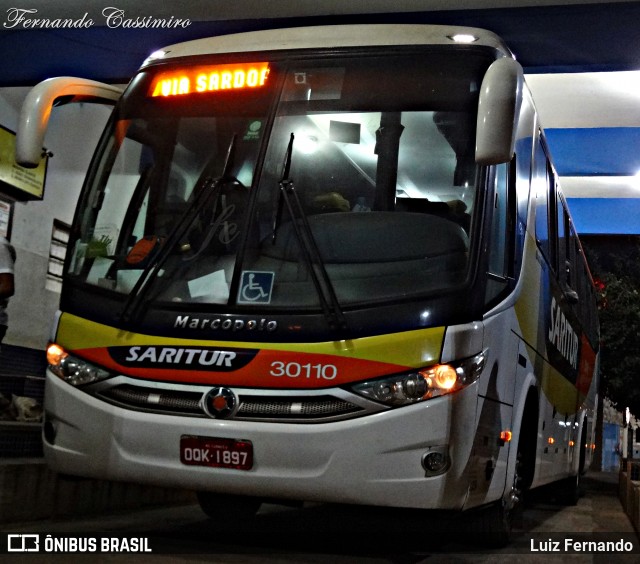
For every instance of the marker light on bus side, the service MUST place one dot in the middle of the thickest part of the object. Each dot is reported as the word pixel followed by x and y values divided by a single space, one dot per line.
pixel 423 384
pixel 72 369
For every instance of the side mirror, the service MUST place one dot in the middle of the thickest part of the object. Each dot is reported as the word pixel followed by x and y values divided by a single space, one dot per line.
pixel 498 111
pixel 36 109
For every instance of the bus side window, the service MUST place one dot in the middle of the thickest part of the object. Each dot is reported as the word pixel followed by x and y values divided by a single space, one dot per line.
pixel 497 247
pixel 585 292
pixel 574 259
pixel 554 234
pixel 501 235
pixel 542 197
pixel 562 227
pixel 568 254
pixel 546 224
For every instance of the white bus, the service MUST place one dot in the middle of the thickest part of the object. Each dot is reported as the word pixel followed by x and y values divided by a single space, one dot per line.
pixel 327 264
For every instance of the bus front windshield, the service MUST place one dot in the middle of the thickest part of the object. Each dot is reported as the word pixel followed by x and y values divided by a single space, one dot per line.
pixel 346 177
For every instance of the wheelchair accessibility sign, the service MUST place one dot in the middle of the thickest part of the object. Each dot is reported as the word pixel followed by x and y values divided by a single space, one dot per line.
pixel 256 287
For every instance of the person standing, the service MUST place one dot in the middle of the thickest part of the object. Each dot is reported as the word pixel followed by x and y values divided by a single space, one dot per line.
pixel 7 288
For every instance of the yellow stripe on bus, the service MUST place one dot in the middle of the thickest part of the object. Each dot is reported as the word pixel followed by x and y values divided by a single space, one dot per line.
pixel 527 306
pixel 560 393
pixel 410 348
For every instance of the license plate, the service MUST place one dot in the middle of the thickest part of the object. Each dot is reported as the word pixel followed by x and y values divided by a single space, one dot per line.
pixel 216 452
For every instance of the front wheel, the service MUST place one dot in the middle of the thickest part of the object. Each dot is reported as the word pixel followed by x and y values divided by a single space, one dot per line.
pixel 568 490
pixel 493 525
pixel 228 509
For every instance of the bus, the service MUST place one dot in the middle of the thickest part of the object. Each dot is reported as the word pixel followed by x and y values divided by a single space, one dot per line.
pixel 323 264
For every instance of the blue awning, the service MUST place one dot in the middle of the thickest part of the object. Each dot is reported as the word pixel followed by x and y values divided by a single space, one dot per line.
pixel 608 151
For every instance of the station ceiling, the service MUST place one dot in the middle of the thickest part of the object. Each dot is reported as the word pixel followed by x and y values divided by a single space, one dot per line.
pixel 581 60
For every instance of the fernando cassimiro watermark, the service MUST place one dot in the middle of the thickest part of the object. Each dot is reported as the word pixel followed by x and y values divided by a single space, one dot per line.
pixel 112 17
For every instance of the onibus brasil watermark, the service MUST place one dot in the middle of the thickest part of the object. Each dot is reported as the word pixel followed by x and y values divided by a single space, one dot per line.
pixel 111 16
pixel 37 543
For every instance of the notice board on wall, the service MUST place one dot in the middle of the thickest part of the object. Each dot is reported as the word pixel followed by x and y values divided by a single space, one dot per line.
pixel 18 182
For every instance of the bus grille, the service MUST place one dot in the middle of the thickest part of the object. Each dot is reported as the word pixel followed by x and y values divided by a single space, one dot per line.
pixel 311 408
pixel 166 401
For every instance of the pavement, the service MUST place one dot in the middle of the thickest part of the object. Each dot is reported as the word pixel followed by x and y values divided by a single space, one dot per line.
pixel 30 492
pixel 182 534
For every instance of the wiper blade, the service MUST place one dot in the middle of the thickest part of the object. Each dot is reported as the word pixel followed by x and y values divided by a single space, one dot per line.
pixel 205 191
pixel 310 252
pixel 286 168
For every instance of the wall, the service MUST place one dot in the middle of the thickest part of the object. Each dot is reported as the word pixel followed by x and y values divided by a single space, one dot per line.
pixel 72 136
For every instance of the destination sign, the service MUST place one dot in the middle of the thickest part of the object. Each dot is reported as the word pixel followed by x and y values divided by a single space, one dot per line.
pixel 213 78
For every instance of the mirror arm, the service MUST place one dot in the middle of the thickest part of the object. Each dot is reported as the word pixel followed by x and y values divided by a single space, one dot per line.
pixel 36 110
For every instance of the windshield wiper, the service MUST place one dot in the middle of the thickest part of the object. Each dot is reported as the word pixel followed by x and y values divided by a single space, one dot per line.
pixel 205 191
pixel 310 252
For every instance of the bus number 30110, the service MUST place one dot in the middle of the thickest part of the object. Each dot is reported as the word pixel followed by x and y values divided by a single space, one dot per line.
pixel 308 371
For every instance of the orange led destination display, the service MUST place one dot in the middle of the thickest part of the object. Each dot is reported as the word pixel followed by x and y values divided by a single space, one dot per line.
pixel 193 80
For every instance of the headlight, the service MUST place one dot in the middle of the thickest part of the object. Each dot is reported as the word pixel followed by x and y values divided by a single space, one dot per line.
pixel 418 385
pixel 72 369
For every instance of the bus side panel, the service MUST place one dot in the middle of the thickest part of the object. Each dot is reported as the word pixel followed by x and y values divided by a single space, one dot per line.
pixel 508 375
pixel 489 461
pixel 554 339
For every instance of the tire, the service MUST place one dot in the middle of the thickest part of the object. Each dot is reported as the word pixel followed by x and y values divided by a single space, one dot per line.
pixel 583 449
pixel 568 490
pixel 492 526
pixel 503 516
pixel 228 509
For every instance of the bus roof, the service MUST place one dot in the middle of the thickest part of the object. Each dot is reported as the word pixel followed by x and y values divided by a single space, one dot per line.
pixel 323 37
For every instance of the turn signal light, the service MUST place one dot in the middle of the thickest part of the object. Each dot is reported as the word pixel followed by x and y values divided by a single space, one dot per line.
pixel 55 354
pixel 445 376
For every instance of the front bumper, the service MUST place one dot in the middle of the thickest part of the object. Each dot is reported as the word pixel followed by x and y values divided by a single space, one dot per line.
pixel 375 459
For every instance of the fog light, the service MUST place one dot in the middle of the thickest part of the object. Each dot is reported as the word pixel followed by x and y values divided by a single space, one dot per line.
pixel 436 461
